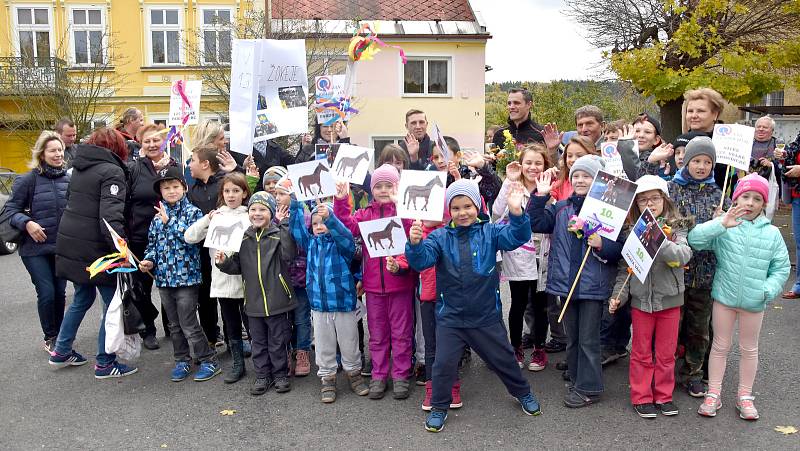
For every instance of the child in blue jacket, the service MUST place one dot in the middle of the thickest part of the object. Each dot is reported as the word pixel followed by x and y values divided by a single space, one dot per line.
pixel 582 318
pixel 468 310
pixel 332 295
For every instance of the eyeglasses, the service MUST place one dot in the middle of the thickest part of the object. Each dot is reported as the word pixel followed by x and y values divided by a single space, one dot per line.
pixel 652 200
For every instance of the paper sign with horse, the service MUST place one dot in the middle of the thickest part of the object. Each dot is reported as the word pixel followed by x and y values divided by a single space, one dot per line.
pixel 420 195
pixel 384 237
pixel 225 232
pixel 312 180
pixel 352 163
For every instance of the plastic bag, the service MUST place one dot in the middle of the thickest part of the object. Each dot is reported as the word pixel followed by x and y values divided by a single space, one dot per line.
pixel 772 202
pixel 126 347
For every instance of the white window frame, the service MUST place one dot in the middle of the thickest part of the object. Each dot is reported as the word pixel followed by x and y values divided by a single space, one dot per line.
pixel 17 28
pixel 150 28
pixel 203 27
pixel 88 28
pixel 396 138
pixel 425 58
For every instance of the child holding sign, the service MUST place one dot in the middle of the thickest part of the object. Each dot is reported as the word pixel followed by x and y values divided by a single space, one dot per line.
pixel 390 316
pixel 742 286
pixel 656 303
pixel 567 249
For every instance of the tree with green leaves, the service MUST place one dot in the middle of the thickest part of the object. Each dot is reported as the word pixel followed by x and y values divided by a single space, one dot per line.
pixel 742 48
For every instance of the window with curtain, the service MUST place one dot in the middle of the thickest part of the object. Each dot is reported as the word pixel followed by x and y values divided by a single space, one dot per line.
pixel 33 34
pixel 426 76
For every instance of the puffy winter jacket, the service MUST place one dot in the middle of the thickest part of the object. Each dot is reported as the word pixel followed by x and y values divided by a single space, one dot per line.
pixel 467 284
pixel 45 192
pixel 529 261
pixel 752 261
pixel 142 198
pixel 97 190
pixel 567 251
pixel 176 261
pixel 376 278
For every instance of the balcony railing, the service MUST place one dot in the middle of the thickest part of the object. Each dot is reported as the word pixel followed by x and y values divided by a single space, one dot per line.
pixel 20 76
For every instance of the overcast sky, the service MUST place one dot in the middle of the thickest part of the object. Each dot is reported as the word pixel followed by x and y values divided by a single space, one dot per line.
pixel 524 32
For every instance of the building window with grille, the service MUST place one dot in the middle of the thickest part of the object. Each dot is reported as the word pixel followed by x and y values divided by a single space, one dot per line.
pixel 427 77
pixel 33 35
pixel 215 26
pixel 165 36
pixel 88 36
pixel 774 98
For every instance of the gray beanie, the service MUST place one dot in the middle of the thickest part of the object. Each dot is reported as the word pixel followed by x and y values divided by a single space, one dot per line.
pixel 589 164
pixel 700 145
pixel 464 187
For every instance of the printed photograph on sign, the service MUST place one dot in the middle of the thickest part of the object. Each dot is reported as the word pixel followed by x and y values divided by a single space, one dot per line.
pixel 352 163
pixel 733 144
pixel 292 97
pixel 312 180
pixel 264 127
pixel 613 190
pixel 325 151
pixel 421 194
pixel 383 237
pixel 283 85
pixel 225 232
pixel 607 203
pixel 643 244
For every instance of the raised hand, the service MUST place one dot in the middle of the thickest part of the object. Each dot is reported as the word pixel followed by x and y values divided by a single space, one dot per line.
pixel 552 138
pixel 391 265
pixel 543 183
pixel 341 130
pixel 161 211
pixel 322 211
pixel 226 161
pixel 661 153
pixel 415 234
pixel 514 198
pixel 342 189
pixel 475 160
pixel 613 305
pixel 35 231
pixel 627 132
pixel 452 168
pixel 514 171
pixel 732 217
pixel 412 145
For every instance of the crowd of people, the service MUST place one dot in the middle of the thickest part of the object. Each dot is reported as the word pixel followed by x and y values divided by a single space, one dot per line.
pixel 302 279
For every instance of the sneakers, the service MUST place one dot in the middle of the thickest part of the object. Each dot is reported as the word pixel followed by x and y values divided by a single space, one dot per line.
pixel 180 372
pixel 747 410
pixel 377 388
pixel 529 404
pixel 261 385
pixel 538 360
pixel 435 421
pixel 400 388
pixel 72 359
pixel 710 405
pixel 426 402
pixel 519 354
pixel 575 399
pixel 49 345
pixel 207 371
pixel 419 374
pixel 610 356
pixel 357 383
pixel 327 392
pixel 668 408
pixel 116 369
pixel 150 342
pixel 647 410
pixel 456 402
pixel 302 365
pixel 695 388
pixel 282 384
pixel 552 347
pixel 366 367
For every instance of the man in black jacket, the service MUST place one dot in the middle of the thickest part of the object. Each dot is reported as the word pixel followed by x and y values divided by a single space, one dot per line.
pixel 522 127
pixel 417 143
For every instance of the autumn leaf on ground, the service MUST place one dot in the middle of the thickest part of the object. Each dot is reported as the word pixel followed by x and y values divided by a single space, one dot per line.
pixel 777 307
pixel 786 430
pixel 227 412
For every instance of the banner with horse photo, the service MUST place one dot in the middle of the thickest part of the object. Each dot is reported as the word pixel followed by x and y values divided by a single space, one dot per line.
pixel 225 232
pixel 607 203
pixel 352 163
pixel 421 194
pixel 643 244
pixel 312 180
pixel 383 237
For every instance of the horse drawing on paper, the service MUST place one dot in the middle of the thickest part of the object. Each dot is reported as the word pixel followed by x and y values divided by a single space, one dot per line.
pixel 413 192
pixel 307 181
pixel 222 234
pixel 350 163
pixel 374 239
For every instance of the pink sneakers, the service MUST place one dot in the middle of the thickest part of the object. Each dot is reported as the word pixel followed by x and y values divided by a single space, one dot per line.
pixel 456 402
pixel 538 360
pixel 747 410
pixel 426 403
pixel 710 405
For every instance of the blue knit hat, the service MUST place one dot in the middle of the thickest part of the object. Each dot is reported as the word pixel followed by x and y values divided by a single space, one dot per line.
pixel 263 198
pixel 464 187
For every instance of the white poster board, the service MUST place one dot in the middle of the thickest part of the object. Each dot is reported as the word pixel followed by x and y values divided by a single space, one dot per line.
pixel 329 87
pixel 421 194
pixel 643 244
pixel 177 106
pixel 311 180
pixel 734 144
pixel 610 154
pixel 352 163
pixel 243 92
pixel 438 139
pixel 225 232
pixel 383 237
pixel 282 101
pixel 607 203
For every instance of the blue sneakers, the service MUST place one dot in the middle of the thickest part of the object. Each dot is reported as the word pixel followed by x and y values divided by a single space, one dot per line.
pixel 180 372
pixel 72 359
pixel 529 404
pixel 435 420
pixel 207 371
pixel 116 369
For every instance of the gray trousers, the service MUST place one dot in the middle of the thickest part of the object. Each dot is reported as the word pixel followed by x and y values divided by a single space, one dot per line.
pixel 330 329
pixel 270 341
pixel 188 339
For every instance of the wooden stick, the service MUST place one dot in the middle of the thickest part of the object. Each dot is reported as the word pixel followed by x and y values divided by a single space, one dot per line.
pixel 136 259
pixel 574 284
pixel 724 185
pixel 623 285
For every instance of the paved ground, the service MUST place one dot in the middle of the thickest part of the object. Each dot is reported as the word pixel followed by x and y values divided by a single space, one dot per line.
pixel 69 409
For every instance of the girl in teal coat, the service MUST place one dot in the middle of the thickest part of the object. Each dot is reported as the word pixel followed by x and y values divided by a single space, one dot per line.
pixel 752 266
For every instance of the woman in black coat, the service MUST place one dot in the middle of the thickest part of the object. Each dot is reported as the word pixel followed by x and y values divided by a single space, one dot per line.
pixel 97 191
pixel 38 199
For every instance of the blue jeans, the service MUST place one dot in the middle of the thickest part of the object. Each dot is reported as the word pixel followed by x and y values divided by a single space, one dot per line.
pixel 796 230
pixel 84 298
pixel 51 292
pixel 301 332
pixel 615 330
pixel 582 324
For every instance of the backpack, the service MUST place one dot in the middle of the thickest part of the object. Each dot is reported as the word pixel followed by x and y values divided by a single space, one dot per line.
pixel 9 233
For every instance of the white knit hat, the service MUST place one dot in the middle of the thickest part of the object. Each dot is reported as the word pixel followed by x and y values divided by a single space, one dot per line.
pixel 651 182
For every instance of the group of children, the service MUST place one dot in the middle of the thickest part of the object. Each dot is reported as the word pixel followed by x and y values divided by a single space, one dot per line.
pixel 450 268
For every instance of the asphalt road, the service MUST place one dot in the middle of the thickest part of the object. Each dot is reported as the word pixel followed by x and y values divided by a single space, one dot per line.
pixel 69 409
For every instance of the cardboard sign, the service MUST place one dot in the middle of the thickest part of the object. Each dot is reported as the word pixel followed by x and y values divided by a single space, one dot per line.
pixel 383 237
pixel 607 203
pixel 734 144
pixel 225 232
pixel 312 180
pixel 643 244
pixel 421 194
pixel 610 154
pixel 326 87
pixel 352 163
pixel 243 94
pixel 177 106
pixel 438 139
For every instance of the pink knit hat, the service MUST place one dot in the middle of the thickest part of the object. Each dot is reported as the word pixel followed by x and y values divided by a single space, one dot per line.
pixel 752 182
pixel 385 173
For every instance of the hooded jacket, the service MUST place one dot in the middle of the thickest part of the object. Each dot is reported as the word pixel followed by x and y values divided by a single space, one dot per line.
pixel 263 261
pixel 176 261
pixel 97 190
pixel 45 193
